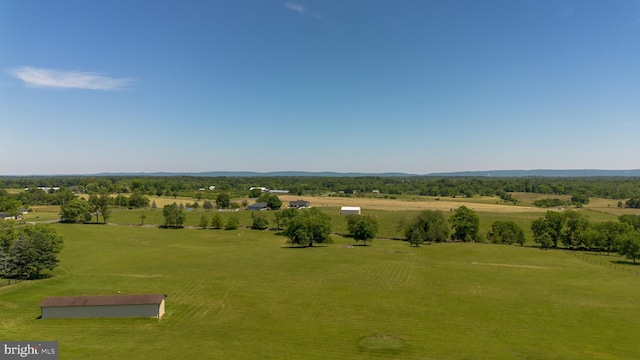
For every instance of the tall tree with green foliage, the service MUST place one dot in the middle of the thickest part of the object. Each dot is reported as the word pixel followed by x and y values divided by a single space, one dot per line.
pixel 273 202
pixel 233 222
pixel 260 221
pixel 633 220
pixel 552 224
pixel 34 248
pixel 310 226
pixel 204 222
pixel 429 226
pixel 576 224
pixel 609 234
pixel 365 229
pixel 283 217
pixel 75 210
pixel 173 215
pixel 137 200
pixel 506 232
pixel 223 201
pixel 216 221
pixel 465 224
pixel 630 245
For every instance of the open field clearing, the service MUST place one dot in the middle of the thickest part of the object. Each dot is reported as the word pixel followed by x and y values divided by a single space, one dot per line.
pixel 245 295
pixel 486 204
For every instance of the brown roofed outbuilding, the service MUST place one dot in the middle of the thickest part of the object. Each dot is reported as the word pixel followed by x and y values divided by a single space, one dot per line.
pixel 144 305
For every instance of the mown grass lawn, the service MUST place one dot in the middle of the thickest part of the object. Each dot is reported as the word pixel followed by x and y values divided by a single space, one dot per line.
pixel 246 295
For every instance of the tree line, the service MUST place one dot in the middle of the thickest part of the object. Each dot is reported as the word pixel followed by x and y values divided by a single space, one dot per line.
pixel 603 187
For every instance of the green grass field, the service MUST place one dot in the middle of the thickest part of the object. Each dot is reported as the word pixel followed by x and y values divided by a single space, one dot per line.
pixel 246 295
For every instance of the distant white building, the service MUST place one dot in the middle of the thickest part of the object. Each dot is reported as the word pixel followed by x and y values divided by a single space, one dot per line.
pixel 278 191
pixel 350 210
pixel 212 187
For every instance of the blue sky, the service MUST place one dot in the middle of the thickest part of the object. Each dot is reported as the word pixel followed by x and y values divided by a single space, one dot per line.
pixel 351 86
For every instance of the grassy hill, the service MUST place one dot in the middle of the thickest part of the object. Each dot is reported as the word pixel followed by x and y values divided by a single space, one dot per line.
pixel 245 295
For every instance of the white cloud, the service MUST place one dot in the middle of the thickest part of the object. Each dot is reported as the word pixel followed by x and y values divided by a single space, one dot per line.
pixel 294 7
pixel 42 77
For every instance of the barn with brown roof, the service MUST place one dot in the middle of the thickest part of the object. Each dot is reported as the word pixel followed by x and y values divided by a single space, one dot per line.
pixel 108 306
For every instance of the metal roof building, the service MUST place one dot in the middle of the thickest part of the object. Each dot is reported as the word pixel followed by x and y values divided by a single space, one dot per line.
pixel 108 306
pixel 346 210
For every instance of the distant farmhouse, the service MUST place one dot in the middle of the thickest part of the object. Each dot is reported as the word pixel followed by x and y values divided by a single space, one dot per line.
pixel 299 204
pixel 259 206
pixel 109 306
pixel 349 210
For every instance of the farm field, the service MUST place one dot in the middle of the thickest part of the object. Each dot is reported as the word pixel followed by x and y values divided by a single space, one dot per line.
pixel 245 294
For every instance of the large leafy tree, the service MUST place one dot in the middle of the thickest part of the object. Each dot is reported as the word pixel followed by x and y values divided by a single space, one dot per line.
pixel 216 221
pixel 76 210
pixel 576 224
pixel 233 222
pixel 465 224
pixel 173 215
pixel 609 234
pixel 204 222
pixel 630 245
pixel 260 221
pixel 100 206
pixel 283 217
pixel 429 226
pixel 309 227
pixel 33 249
pixel 223 201
pixel 138 200
pixel 549 227
pixel 365 229
pixel 633 220
pixel 273 202
pixel 506 232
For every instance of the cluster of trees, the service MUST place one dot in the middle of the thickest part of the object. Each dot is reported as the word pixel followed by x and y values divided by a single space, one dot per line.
pixel 27 250
pixel 577 200
pixel 80 210
pixel 573 230
pixel 549 202
pixel 633 203
pixel 604 187
pixel 431 226
pixel 308 227
pixel 216 222
pixel 174 216
pixel 506 232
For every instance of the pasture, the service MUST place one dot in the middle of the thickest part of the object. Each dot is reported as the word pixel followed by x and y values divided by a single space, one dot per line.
pixel 245 294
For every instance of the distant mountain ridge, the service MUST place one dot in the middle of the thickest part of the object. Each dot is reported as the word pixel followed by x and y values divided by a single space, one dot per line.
pixel 544 173
pixel 491 173
pixel 487 173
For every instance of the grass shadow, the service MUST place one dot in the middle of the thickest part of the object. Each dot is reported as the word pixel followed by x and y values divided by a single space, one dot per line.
pixel 623 262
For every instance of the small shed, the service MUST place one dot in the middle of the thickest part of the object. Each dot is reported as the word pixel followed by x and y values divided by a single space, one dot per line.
pixel 259 206
pixel 299 204
pixel 348 210
pixel 107 306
